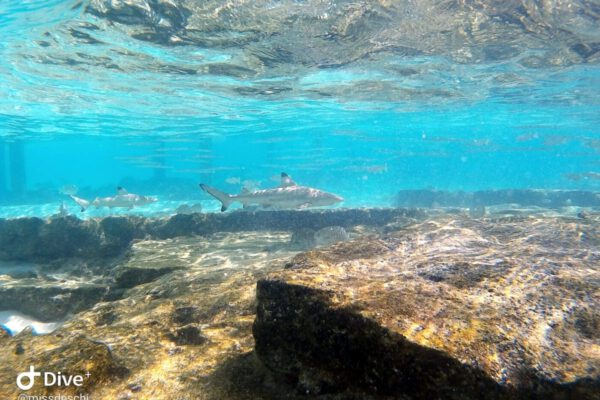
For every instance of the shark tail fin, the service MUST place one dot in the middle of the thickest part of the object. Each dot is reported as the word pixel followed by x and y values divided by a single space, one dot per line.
pixel 84 204
pixel 224 198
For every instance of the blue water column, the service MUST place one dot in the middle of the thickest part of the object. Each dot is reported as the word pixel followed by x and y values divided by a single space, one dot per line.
pixel 3 162
pixel 16 168
pixel 159 161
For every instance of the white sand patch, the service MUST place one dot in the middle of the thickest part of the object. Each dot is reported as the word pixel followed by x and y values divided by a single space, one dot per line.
pixel 14 322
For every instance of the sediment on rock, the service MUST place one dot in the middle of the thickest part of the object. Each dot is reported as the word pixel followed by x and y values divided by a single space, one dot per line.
pixel 50 302
pixel 321 349
pixel 450 308
pixel 129 276
pixel 77 355
pixel 308 342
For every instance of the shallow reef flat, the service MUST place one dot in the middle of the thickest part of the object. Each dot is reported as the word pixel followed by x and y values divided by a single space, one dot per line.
pixel 178 319
pixel 416 306
pixel 447 308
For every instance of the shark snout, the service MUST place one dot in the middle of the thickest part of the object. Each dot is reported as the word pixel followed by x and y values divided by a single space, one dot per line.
pixel 334 198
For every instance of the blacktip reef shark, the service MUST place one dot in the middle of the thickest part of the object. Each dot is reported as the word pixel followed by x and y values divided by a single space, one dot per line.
pixel 123 199
pixel 287 195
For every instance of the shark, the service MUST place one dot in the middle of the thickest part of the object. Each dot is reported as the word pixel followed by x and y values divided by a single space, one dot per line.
pixel 287 195
pixel 123 199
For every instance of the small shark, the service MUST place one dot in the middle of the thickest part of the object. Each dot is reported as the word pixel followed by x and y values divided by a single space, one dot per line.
pixel 287 195
pixel 122 199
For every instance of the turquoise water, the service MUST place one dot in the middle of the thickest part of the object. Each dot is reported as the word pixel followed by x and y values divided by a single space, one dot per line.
pixel 358 99
pixel 433 119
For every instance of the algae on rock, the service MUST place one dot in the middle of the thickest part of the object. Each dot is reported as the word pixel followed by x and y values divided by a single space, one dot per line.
pixel 450 308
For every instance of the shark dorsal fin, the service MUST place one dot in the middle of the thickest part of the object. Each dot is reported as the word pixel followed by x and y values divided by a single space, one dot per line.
pixel 121 190
pixel 244 190
pixel 286 180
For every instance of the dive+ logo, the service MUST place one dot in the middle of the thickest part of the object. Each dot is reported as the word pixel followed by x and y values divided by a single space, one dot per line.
pixel 26 380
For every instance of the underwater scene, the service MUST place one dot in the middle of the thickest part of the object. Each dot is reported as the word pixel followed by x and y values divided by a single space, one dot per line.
pixel 299 199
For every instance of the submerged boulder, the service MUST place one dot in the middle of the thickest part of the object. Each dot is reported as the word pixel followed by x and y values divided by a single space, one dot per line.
pixel 453 309
pixel 18 237
pixel 35 239
pixel 67 237
pixel 119 232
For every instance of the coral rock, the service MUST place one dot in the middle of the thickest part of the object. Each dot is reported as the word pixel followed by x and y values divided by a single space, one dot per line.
pixel 449 309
